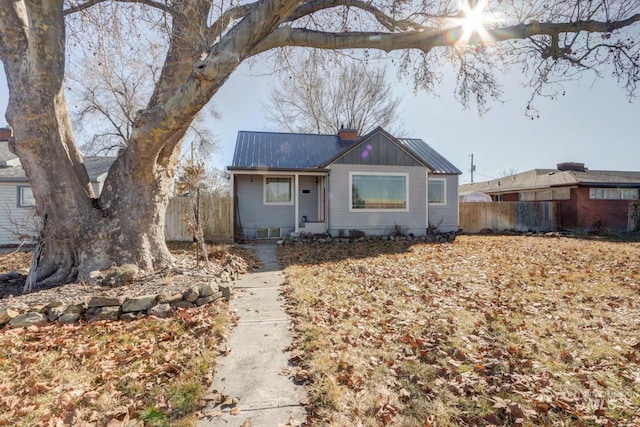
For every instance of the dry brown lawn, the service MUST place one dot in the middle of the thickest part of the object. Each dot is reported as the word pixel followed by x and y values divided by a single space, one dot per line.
pixel 147 372
pixel 489 330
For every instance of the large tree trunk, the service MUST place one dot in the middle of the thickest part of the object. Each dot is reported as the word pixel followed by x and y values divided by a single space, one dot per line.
pixel 126 224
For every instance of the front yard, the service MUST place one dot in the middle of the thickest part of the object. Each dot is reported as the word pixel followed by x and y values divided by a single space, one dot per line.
pixel 148 372
pixel 489 330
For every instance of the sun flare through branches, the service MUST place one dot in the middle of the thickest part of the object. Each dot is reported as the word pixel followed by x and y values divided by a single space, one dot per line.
pixel 472 22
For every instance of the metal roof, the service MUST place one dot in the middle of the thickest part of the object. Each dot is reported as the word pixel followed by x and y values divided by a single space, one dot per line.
pixel 97 166
pixel 429 156
pixel 274 150
pixel 547 178
pixel 285 151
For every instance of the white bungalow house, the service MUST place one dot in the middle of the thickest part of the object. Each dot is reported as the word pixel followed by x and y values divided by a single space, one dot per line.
pixel 285 183
pixel 18 222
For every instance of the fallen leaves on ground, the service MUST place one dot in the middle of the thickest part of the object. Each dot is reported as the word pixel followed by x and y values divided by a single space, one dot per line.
pixel 488 330
pixel 105 373
pixel 149 371
pixel 245 257
pixel 14 261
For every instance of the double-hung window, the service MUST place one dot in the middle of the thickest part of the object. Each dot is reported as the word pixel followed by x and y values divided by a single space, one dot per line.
pixel 277 191
pixel 25 197
pixel 437 192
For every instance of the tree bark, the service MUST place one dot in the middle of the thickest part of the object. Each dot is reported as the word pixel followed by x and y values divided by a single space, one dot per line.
pixel 126 224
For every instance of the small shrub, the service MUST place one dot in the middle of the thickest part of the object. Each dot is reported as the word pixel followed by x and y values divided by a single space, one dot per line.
pixel 598 226
pixel 356 234
pixel 434 229
pixel 120 275
pixel 398 231
pixel 154 418
pixel 341 233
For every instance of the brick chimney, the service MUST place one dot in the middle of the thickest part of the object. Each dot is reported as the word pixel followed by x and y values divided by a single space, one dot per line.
pixel 572 166
pixel 347 134
pixel 5 134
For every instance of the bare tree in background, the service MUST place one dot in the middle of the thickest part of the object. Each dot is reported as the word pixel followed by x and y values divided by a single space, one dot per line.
pixel 110 78
pixel 217 182
pixel 314 98
pixel 508 172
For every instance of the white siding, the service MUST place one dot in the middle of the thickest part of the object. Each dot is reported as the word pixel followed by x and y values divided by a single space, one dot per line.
pixel 445 218
pixel 97 187
pixel 376 223
pixel 15 222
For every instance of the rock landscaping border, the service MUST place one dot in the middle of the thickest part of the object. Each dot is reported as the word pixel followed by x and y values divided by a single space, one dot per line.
pixel 115 308
pixel 328 239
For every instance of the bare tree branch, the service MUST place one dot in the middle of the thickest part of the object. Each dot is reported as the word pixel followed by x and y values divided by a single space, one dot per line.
pixel 74 8
pixel 228 17
pixel 391 24
pixel 315 98
pixel 428 39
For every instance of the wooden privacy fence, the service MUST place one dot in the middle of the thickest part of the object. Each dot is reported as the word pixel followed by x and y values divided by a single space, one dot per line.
pixel 215 217
pixel 501 216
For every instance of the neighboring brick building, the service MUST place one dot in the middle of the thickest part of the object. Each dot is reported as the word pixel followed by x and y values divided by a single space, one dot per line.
pixel 587 199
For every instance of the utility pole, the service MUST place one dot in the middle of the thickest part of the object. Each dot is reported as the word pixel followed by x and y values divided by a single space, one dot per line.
pixel 473 168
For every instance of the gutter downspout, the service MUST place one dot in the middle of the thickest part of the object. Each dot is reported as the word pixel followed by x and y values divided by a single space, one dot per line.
pixel 296 203
pixel 327 199
pixel 234 194
pixel 427 200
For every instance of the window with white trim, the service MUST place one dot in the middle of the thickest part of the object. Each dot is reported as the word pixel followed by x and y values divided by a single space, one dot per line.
pixel 379 191
pixel 613 193
pixel 25 197
pixel 277 190
pixel 437 192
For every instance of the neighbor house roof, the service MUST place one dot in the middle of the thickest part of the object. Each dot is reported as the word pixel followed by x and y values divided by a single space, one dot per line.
pixel 296 151
pixel 10 169
pixel 547 178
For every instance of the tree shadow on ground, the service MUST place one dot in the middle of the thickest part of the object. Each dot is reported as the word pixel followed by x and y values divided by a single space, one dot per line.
pixel 607 236
pixel 318 253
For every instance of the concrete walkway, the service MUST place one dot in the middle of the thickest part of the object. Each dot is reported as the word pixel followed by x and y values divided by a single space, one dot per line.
pixel 252 370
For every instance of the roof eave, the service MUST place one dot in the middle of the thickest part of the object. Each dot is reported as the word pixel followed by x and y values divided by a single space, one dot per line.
pixel 444 173
pixel 13 179
pixel 610 184
pixel 263 169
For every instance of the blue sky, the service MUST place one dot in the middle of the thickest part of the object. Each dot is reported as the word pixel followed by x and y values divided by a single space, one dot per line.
pixel 594 124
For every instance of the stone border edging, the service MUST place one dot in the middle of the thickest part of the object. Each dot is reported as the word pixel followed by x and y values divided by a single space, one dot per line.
pixel 328 239
pixel 114 308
